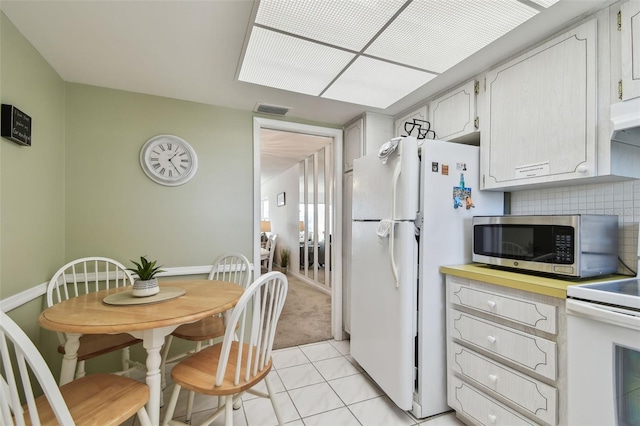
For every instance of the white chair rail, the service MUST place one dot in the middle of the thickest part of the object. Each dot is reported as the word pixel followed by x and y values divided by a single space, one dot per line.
pixel 40 290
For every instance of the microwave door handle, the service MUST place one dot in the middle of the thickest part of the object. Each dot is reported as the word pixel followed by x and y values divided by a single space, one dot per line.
pixel 543 257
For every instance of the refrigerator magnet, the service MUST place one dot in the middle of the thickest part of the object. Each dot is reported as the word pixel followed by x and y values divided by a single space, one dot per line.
pixel 445 169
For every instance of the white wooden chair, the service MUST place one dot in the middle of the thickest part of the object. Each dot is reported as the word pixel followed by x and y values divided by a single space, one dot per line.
pixel 235 365
pixel 97 399
pixel 86 275
pixel 267 264
pixel 231 267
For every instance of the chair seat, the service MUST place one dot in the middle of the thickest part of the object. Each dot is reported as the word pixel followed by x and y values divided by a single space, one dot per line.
pixel 95 400
pixel 198 372
pixel 92 345
pixel 205 329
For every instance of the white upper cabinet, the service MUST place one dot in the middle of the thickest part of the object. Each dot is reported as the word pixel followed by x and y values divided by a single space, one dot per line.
pixel 378 129
pixel 546 113
pixel 414 123
pixel 630 45
pixel 540 114
pixel 364 135
pixel 353 143
pixel 453 115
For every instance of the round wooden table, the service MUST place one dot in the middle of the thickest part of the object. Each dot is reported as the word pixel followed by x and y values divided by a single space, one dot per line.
pixel 152 322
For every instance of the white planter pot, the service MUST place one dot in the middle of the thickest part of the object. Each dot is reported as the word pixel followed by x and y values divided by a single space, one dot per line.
pixel 145 288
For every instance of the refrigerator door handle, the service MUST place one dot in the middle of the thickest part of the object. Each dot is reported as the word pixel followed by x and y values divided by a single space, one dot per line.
pixel 394 267
pixel 385 229
pixel 394 186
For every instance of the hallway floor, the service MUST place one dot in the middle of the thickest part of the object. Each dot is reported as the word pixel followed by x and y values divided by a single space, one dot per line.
pixel 318 385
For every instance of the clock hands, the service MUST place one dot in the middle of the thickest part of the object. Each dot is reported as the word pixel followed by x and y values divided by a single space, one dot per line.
pixel 174 166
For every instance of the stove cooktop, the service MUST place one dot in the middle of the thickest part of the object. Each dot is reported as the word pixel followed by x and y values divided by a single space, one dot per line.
pixel 624 293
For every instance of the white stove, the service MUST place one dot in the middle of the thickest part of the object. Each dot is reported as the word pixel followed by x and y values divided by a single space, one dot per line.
pixel 603 353
pixel 623 294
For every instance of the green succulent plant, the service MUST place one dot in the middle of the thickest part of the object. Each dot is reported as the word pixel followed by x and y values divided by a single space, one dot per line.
pixel 145 270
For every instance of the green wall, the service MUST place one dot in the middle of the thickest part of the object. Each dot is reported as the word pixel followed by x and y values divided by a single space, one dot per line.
pixel 79 189
pixel 31 178
pixel 113 209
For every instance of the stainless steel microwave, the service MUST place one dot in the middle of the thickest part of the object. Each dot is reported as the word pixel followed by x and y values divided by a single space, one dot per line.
pixel 568 245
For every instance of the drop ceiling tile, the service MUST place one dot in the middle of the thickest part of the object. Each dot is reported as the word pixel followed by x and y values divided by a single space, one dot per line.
pixel 346 23
pixel 545 3
pixel 434 35
pixel 376 83
pixel 277 60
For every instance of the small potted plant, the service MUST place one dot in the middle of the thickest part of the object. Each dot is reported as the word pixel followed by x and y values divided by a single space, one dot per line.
pixel 284 258
pixel 146 284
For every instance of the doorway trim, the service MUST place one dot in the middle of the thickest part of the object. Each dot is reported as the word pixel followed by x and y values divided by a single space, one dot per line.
pixel 336 246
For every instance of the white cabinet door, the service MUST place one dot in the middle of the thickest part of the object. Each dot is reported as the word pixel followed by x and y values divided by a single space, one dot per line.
pixel 353 143
pixel 413 123
pixel 453 115
pixel 630 42
pixel 541 114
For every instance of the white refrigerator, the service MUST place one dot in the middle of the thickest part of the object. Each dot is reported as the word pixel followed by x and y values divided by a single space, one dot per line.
pixel 412 209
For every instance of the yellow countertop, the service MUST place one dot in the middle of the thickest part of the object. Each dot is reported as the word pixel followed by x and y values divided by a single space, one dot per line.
pixel 533 283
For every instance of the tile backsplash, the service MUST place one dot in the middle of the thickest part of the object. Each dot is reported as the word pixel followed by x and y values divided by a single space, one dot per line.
pixel 618 198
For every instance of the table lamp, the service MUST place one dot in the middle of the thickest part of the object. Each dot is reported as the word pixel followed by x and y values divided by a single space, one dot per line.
pixel 265 226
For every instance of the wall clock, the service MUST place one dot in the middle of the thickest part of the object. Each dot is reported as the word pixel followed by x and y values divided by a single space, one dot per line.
pixel 168 160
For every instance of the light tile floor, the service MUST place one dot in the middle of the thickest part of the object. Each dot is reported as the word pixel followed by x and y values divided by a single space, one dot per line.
pixel 318 385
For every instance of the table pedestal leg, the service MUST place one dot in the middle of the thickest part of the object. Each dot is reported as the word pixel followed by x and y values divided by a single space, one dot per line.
pixel 152 340
pixel 70 359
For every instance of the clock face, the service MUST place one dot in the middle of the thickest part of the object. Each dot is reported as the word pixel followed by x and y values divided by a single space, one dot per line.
pixel 168 160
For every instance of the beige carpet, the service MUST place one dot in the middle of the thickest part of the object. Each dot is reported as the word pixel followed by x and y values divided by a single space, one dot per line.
pixel 305 318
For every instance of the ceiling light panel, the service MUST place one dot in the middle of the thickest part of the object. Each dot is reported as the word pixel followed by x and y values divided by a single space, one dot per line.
pixel 545 3
pixel 376 83
pixel 345 23
pixel 435 35
pixel 276 60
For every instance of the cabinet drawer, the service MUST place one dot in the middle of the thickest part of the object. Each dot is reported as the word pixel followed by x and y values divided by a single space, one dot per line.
pixel 533 396
pixel 533 314
pixel 481 408
pixel 531 352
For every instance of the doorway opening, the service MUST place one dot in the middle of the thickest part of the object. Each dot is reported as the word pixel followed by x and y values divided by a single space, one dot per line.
pixel 299 209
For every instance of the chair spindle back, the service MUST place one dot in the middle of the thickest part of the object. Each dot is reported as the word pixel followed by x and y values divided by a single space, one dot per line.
pixel 255 316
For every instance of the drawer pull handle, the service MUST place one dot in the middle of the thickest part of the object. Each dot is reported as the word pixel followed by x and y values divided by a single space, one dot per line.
pixel 491 304
pixel 491 339
pixel 493 378
pixel 492 418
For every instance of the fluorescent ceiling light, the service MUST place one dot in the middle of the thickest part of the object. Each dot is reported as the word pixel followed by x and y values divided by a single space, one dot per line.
pixel 371 52
pixel 376 83
pixel 276 60
pixel 347 24
pixel 545 3
pixel 435 35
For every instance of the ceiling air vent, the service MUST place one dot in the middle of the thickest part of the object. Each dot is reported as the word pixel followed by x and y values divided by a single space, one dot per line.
pixel 271 109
